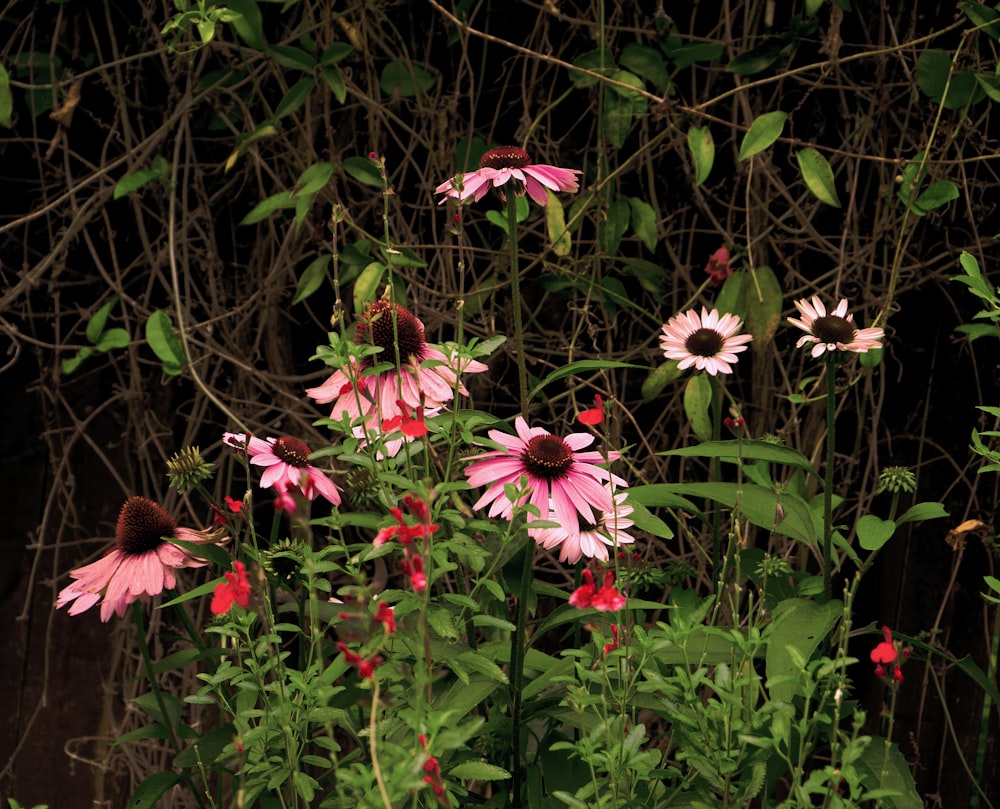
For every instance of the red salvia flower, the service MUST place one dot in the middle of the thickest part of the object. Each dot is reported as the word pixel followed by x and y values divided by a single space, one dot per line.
pixel 234 590
pixel 594 415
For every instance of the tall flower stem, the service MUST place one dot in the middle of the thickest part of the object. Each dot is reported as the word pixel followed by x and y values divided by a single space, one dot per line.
pixel 517 669
pixel 831 416
pixel 515 297
pixel 716 474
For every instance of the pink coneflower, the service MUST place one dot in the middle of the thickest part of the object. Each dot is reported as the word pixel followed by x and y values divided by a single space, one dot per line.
pixel 286 462
pixel 832 332
pixel 427 378
pixel 709 341
pixel 510 167
pixel 562 481
pixel 143 562
pixel 591 539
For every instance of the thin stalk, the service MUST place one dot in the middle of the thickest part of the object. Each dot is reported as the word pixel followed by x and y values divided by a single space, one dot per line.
pixel 828 475
pixel 515 297
pixel 517 669
pixel 716 473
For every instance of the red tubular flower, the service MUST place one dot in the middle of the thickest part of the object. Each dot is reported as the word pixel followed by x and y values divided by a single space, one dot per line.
pixel 885 652
pixel 594 415
pixel 718 268
pixel 365 668
pixel 234 590
pixel 610 647
pixel 608 599
pixel 385 616
pixel 584 594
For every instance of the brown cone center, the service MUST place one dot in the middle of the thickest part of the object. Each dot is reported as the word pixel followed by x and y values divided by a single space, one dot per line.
pixel 292 451
pixel 548 457
pixel 142 524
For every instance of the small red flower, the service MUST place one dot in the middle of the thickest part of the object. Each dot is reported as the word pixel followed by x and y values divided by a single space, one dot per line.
pixel 718 268
pixel 413 566
pixel 608 599
pixel 885 652
pixel 610 647
pixel 412 426
pixel 385 616
pixel 365 668
pixel 234 590
pixel 584 594
pixel 594 415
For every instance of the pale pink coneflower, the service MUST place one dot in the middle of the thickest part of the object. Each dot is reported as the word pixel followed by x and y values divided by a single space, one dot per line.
pixel 591 539
pixel 509 167
pixel 286 465
pixel 709 341
pixel 427 378
pixel 142 563
pixel 834 331
pixel 564 483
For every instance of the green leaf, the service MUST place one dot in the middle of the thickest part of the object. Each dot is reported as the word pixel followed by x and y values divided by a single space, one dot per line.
pixel 887 769
pixel 294 58
pixel 812 6
pixel 644 223
pixel 335 81
pixel 732 298
pixel 165 344
pixel 367 283
pixel 933 67
pixel 937 194
pixel 296 96
pixel 134 181
pixel 207 749
pixel 406 79
pixel 702 148
pixel 622 107
pixel 764 306
pixel 756 60
pixel 594 61
pixel 266 207
pixel 698 404
pixel 113 338
pixel 818 176
pixel 363 170
pixel 611 230
pixel 95 327
pixel 149 792
pixel 990 85
pixel 555 223
pixel 6 100
pixel 646 62
pixel 874 532
pixel 687 55
pixel 764 131
pixel 749 450
pixel 246 141
pixel 249 25
pixel 209 551
pixel 576 368
pixel 478 771
pixel 313 180
pixel 922 511
pixel 311 279
pixel 646 521
pixel 70 364
pixel 335 53
pixel 798 625
pixel 659 378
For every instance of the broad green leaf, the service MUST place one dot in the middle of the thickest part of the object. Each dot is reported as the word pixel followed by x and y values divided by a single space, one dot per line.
pixel 702 148
pixel 646 62
pixel 311 279
pixel 263 131
pixel 922 511
pixel 874 532
pixel 264 208
pixel 165 344
pixel 363 170
pixel 367 283
pixel 578 367
pixel 756 60
pixel 288 56
pixel 207 749
pixel 646 521
pixel 812 6
pixel 698 405
pixel 6 100
pixel 95 327
pixel 555 223
pixel 818 175
pixel 887 769
pixel 764 307
pixel 622 107
pixel 335 81
pixel 594 61
pixel 937 194
pixel 154 787
pixel 313 179
pixel 871 358
pixel 405 79
pixel 748 450
pixel 764 131
pixel 296 96
pixel 215 554
pixel 611 230
pixel 659 378
pixel 336 52
pixel 249 25
pixel 990 85
pixel 687 55
pixel 644 223
pixel 70 364
pixel 112 338
pixel 799 625
pixel 732 298
pixel 478 771
pixel 933 67
pixel 134 181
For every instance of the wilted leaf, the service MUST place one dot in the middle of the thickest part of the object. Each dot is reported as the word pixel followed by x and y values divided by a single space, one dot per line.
pixel 702 148
pixel 764 306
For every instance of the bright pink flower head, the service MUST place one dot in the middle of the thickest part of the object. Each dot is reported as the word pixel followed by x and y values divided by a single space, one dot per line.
pixel 834 331
pixel 286 465
pixel 718 268
pixel 592 540
pixel 709 341
pixel 564 483
pixel 427 379
pixel 509 167
pixel 234 590
pixel 142 563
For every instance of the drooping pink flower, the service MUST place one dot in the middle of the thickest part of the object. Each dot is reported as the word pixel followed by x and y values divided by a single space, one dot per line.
pixel 709 341
pixel 428 378
pixel 142 563
pixel 286 465
pixel 564 483
pixel 834 331
pixel 509 168
pixel 594 415
pixel 718 268
pixel 234 590
pixel 591 539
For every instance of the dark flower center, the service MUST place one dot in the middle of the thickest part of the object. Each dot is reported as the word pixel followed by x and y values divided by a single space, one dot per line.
pixel 292 451
pixel 548 457
pixel 376 328
pixel 833 329
pixel 704 343
pixel 505 157
pixel 142 524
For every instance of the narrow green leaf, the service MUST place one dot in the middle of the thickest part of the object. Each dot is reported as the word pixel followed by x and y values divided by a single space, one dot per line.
pixel 336 52
pixel 698 404
pixel 764 307
pixel 367 283
pixel 874 532
pixel 295 58
pixel 266 207
pixel 133 182
pixel 578 367
pixel 263 131
pixel 95 327
pixel 70 364
pixel 659 378
pixel 747 449
pixel 363 170
pixel 644 223
pixel 335 81
pixel 555 222
pixel 6 100
pixel 702 148
pixel 646 521
pixel 764 131
pixel 249 25
pixel 165 344
pixel 478 771
pixel 311 279
pixel 922 511
pixel 611 230
pixel 818 175
pixel 296 96
pixel 313 179
pixel 209 551
pixel 990 85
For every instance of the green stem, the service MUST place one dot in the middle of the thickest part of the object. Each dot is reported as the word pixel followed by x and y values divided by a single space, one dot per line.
pixel 716 474
pixel 517 668
pixel 828 472
pixel 515 296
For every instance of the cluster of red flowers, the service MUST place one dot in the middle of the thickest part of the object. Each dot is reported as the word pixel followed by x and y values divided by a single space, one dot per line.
pixel 432 767
pixel 885 655
pixel 610 647
pixel 413 563
pixel 605 599
pixel 219 516
pixel 234 590
pixel 366 668
pixel 411 426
